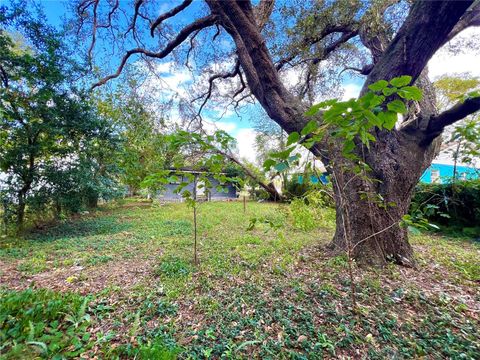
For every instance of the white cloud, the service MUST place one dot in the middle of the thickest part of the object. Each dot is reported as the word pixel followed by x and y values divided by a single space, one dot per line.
pixel 246 144
pixel 166 80
pixel 351 91
pixel 446 62
pixel 211 126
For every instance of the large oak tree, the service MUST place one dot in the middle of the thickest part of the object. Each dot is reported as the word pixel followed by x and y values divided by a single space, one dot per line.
pixel 396 38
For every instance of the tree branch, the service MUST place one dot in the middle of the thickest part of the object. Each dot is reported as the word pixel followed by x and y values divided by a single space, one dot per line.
pixel 471 18
pixel 365 70
pixel 169 14
pixel 179 39
pixel 94 32
pixel 138 3
pixel 424 31
pixel 208 94
pixel 448 117
pixel 347 33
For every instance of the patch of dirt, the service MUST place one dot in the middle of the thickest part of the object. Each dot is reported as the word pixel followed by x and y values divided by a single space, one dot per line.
pixel 84 280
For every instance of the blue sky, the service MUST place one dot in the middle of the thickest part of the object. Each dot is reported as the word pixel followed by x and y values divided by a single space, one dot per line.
pixel 240 127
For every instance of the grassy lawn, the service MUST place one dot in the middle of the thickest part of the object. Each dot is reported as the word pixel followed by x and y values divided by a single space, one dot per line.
pixel 120 284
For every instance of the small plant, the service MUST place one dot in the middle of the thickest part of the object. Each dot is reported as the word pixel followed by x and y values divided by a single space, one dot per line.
pixel 43 323
pixel 173 267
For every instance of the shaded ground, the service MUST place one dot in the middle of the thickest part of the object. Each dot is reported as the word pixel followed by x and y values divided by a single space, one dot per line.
pixel 266 293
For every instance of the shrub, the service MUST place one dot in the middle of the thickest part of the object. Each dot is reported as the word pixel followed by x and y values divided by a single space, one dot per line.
pixel 306 211
pixel 454 204
pixel 43 323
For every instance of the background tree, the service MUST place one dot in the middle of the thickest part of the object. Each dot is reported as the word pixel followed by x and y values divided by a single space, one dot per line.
pixel 48 129
pixel 145 146
pixel 385 39
pixel 463 138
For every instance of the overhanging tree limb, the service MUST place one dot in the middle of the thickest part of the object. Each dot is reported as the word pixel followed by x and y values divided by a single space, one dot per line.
pixel 169 14
pixel 470 18
pixel 457 112
pixel 208 94
pixel 422 34
pixel 178 40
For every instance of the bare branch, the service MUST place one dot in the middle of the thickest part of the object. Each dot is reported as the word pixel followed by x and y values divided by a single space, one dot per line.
pixel 138 3
pixel 243 86
pixel 94 32
pixel 217 33
pixel 347 32
pixel 169 14
pixel 365 70
pixel 110 14
pixel 192 38
pixel 452 115
pixel 471 18
pixel 334 45
pixel 178 40
pixel 208 94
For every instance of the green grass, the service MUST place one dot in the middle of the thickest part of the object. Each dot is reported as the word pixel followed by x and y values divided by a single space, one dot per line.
pixel 270 292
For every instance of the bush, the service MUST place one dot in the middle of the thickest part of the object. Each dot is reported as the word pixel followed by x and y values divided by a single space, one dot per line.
pixel 43 323
pixel 452 205
pixel 304 188
pixel 307 212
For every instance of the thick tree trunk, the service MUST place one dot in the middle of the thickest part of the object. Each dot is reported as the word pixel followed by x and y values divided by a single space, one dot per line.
pixel 370 206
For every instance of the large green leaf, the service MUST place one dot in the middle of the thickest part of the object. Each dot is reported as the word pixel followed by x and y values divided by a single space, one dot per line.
pixel 293 138
pixel 401 81
pixel 309 128
pixel 378 86
pixel 388 118
pixel 397 106
pixel 410 93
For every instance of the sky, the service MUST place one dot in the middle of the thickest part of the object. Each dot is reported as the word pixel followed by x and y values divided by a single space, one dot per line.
pixel 176 82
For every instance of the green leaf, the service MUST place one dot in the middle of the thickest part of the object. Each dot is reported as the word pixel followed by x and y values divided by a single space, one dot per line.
pixel 281 166
pixel 401 81
pixel 313 110
pixel 410 93
pixel 309 128
pixel 268 164
pixel 389 91
pixel 293 138
pixel 324 104
pixel 372 118
pixel 378 86
pixel 348 146
pixel 474 94
pixel 388 118
pixel 283 154
pixel 397 106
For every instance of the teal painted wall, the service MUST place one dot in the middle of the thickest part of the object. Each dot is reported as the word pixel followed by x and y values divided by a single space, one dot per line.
pixel 446 173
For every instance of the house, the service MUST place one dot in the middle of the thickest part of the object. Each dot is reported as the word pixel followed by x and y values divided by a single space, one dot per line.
pixel 443 168
pixel 217 192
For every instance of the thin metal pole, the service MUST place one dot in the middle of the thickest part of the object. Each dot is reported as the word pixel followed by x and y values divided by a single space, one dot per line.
pixel 195 234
